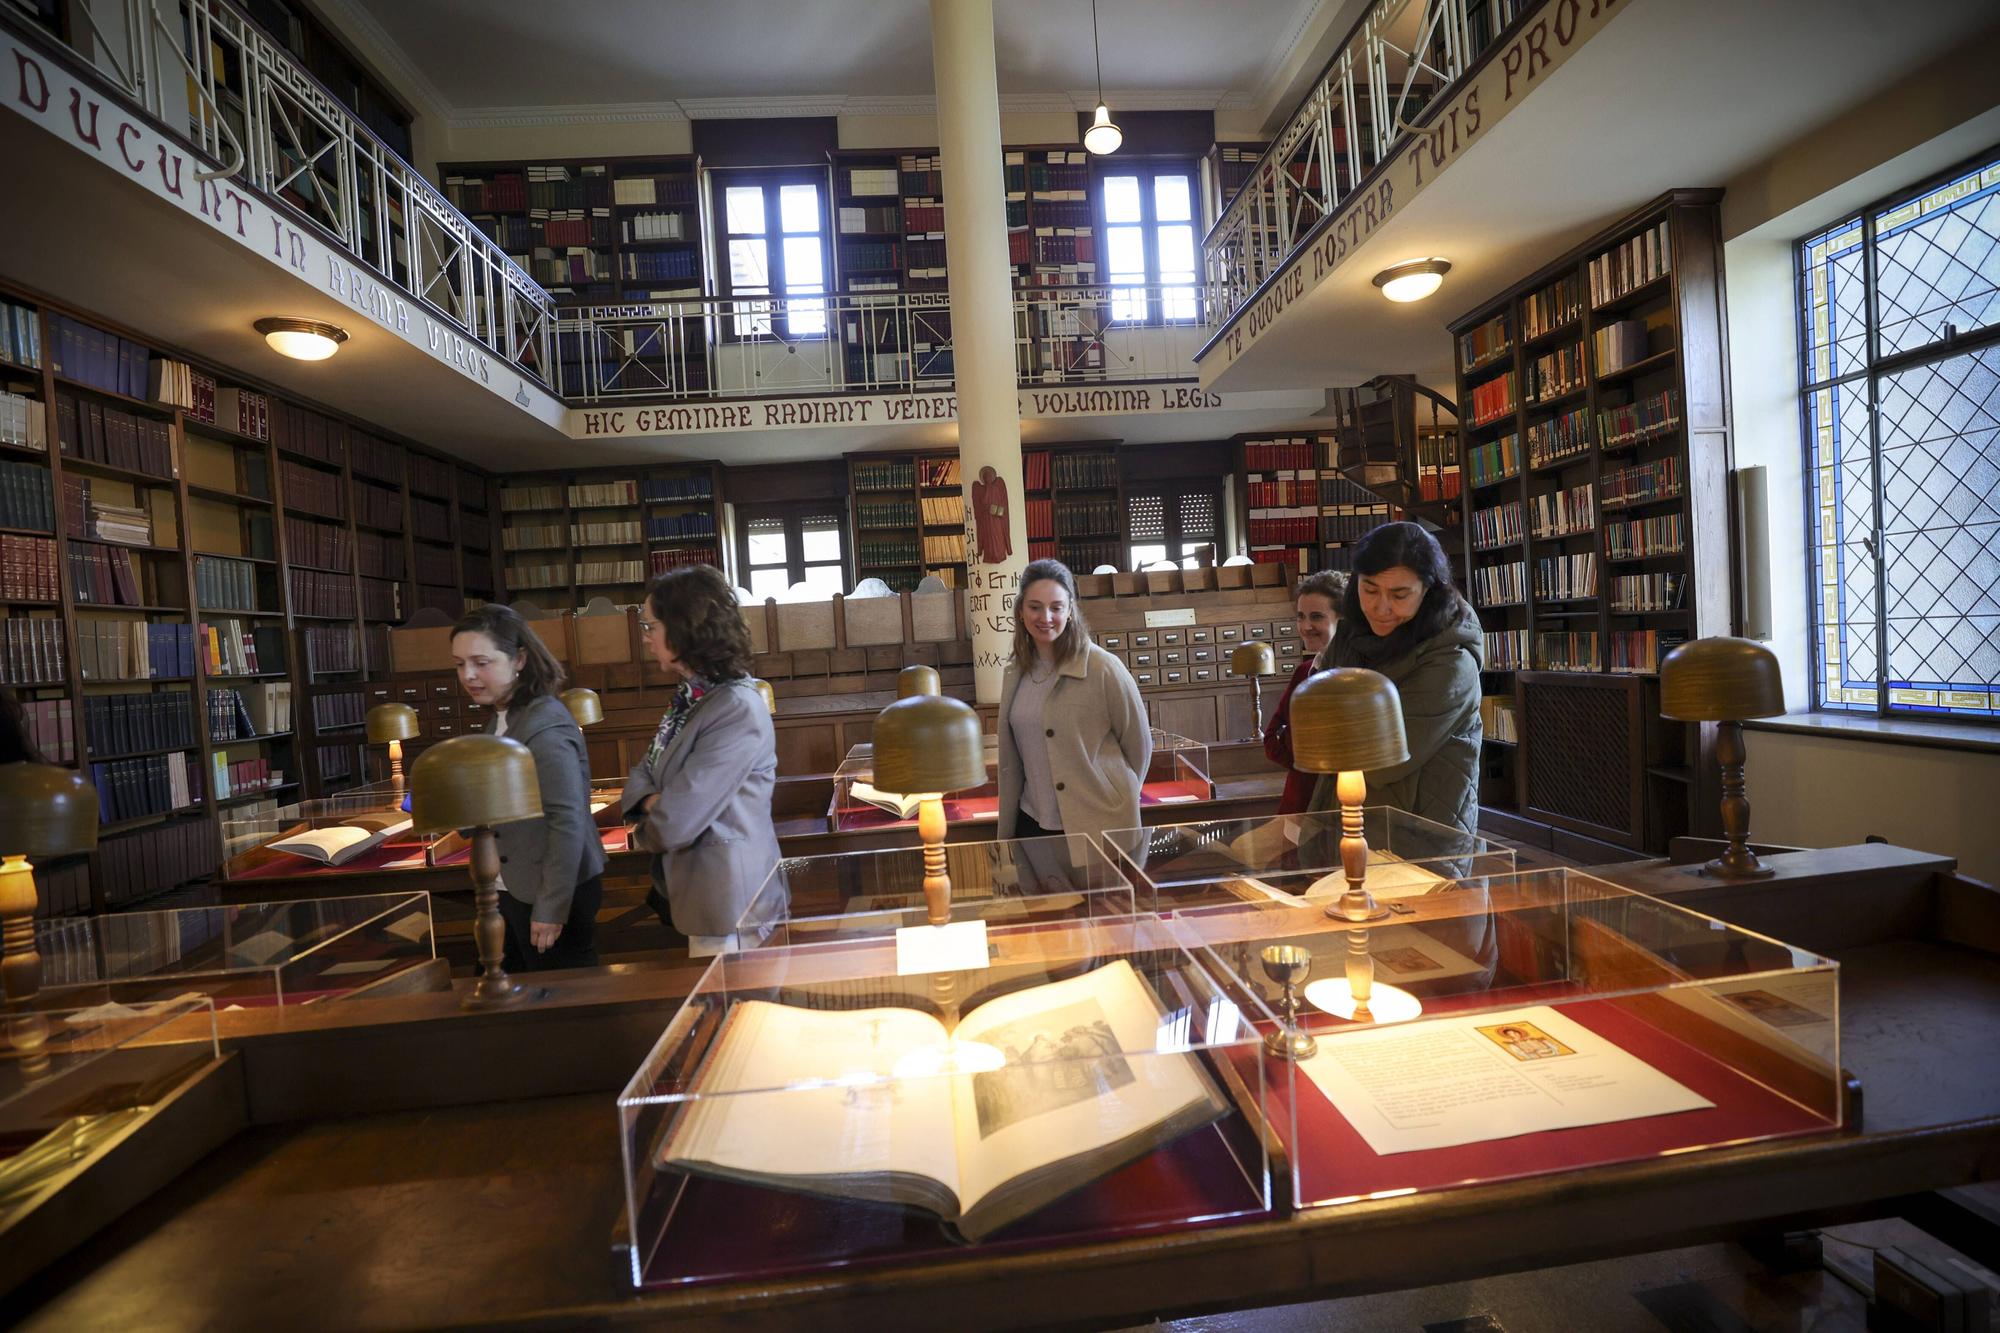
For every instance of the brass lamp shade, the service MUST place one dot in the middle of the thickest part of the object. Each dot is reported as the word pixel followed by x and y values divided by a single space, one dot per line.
pixel 914 680
pixel 584 706
pixel 471 782
pixel 1253 659
pixel 1720 680
pixel 928 743
pixel 45 811
pixel 391 722
pixel 763 687
pixel 1347 720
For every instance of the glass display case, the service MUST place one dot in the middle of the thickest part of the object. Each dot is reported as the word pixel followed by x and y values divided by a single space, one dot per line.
pixel 820 1106
pixel 1177 774
pixel 1013 880
pixel 242 955
pixel 1520 1024
pixel 74 1079
pixel 1292 858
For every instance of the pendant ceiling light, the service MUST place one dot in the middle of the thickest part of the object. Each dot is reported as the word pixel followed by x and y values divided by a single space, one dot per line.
pixel 1103 137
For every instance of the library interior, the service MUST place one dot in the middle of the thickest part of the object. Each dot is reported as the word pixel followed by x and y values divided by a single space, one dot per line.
pixel 1035 662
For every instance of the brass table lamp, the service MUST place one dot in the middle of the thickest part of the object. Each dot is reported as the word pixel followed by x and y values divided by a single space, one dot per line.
pixel 914 680
pixel 1344 722
pixel 45 811
pixel 1255 660
pixel 1725 680
pixel 929 744
pixel 474 782
pixel 392 724
pixel 584 706
pixel 763 687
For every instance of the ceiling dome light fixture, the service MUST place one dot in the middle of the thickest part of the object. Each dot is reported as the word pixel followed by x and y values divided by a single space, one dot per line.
pixel 1414 280
pixel 1103 137
pixel 302 339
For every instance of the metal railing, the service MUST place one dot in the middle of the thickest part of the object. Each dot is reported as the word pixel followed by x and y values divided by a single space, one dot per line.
pixel 875 342
pixel 205 72
pixel 1402 56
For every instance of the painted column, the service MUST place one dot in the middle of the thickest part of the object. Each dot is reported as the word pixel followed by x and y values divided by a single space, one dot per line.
pixel 982 328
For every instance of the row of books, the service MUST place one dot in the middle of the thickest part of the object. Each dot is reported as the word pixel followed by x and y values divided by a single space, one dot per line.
pixel 1554 374
pixel 1086 556
pixel 1494 399
pixel 871 181
pixel 885 475
pixel 1566 578
pixel 337 764
pixel 230 585
pixel 474 532
pixel 514 499
pixel 1086 516
pixel 1085 471
pixel 378 555
pixel 1498 526
pixel 1298 454
pixel 921 175
pixel 939 510
pixel 1635 423
pixel 1644 258
pixel 96 433
pixel 339 708
pixel 1035 470
pixel 304 431
pixel 1564 513
pixel 924 216
pixel 1042 548
pixel 1438 474
pixel 1065 245
pixel 24 422
pixel 86 516
pixel 885 513
pixel 1638 651
pixel 1500 585
pixel 430 520
pixel 28 569
pixel 1284 528
pixel 644 266
pixel 142 864
pixel 310 490
pixel 381 600
pixel 432 476
pixel 20 335
pixel 937 472
pixel 133 650
pixel 1572 650
pixel 1645 538
pixel 1283 491
pixel 250 712
pixel 239 777
pixel 240 648
pixel 1634 593
pixel 543 575
pixel 641 191
pixel 120 724
pixel 52 731
pixel 1565 435
pixel 660 561
pixel 532 537
pixel 31 651
pixel 1495 461
pixel 679 527
pixel 25 499
pixel 506 191
pixel 608 573
pixel 102 360
pixel 1483 342
pixel 944 548
pixel 378 506
pixel 1353 520
pixel 1506 649
pixel 875 220
pixel 1497 720
pixel 872 255
pixel 136 788
pixel 322 545
pixel 109 576
pixel 1559 303
pixel 1041 516
pixel 436 564
pixel 1643 482
pixel 627 532
pixel 575 226
pixel 329 648
pixel 1620 345
pixel 600 494
pixel 383 460
pixel 317 593
pixel 575 266
pixel 668 489
pixel 245 411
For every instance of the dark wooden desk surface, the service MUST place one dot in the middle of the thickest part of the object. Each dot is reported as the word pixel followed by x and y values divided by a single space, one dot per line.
pixel 500 1212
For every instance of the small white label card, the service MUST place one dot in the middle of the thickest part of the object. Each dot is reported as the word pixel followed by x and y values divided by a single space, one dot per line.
pixel 959 946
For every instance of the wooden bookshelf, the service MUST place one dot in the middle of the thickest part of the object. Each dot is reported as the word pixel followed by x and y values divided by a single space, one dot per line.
pixel 1087 496
pixel 567 537
pixel 886 518
pixel 174 526
pixel 1593 404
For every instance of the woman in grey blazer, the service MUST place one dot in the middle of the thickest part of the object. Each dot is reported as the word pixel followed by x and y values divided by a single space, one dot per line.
pixel 701 796
pixel 1074 742
pixel 552 868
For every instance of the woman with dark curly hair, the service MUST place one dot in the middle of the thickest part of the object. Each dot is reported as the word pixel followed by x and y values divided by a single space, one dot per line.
pixel 701 796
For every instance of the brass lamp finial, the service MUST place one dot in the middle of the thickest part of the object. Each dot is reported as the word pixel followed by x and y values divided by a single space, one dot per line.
pixel 915 680
pixel 583 705
pixel 475 782
pixel 1725 680
pixel 926 745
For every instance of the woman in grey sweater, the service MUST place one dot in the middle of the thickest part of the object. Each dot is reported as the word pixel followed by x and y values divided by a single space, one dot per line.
pixel 1074 742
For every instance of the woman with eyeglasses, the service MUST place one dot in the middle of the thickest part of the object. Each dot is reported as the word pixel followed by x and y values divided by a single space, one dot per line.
pixel 701 796
pixel 551 868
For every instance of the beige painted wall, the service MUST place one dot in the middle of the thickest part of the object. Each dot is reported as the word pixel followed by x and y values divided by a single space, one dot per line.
pixel 1812 791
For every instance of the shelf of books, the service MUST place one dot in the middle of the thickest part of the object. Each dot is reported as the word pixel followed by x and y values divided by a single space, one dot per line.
pixel 941 510
pixel 1589 489
pixel 1059 251
pixel 1041 515
pixel 568 537
pixel 1226 169
pixel 1087 503
pixel 1298 509
pixel 888 530
pixel 164 535
pixel 870 251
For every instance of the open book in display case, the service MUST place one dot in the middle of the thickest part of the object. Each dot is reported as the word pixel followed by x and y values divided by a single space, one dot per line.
pixel 1565 1022
pixel 1294 859
pixel 815 1107
pixel 244 955
pixel 1010 881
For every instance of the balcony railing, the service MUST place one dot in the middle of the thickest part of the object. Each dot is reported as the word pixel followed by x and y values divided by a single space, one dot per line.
pixel 872 342
pixel 1402 56
pixel 206 73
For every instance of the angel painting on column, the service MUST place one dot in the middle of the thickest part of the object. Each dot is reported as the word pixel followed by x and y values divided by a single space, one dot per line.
pixel 989 516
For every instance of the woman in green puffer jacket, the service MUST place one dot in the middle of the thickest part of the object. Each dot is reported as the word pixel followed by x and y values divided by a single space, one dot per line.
pixel 1403 618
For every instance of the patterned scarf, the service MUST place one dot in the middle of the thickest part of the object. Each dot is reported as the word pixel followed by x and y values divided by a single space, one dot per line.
pixel 685 698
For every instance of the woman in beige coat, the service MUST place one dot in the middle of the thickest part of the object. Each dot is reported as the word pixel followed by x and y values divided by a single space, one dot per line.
pixel 1074 743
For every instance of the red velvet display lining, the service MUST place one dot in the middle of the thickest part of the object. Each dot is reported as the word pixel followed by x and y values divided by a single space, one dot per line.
pixel 960 809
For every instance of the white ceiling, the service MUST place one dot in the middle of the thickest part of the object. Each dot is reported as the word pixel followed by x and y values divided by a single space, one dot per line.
pixel 1672 93
pixel 480 55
